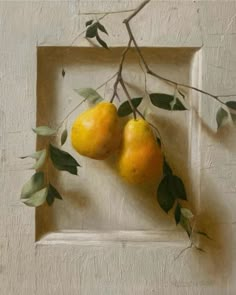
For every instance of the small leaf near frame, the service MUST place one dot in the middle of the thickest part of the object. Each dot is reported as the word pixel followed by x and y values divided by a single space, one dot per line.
pixel 35 183
pixel 164 197
pixel 41 160
pixel 102 28
pixel 101 42
pixel 62 160
pixel 52 194
pixel 125 108
pixel 89 22
pixel 91 31
pixel 89 94
pixel 221 117
pixel 177 213
pixel 44 131
pixel 36 199
pixel 161 100
pixel 64 136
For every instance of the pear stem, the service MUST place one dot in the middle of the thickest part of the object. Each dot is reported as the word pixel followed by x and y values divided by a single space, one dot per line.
pixel 134 110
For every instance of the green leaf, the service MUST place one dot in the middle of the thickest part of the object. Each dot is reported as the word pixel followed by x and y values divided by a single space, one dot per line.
pixel 101 42
pixel 44 131
pixel 164 197
pixel 102 28
pixel 61 157
pixel 177 187
pixel 35 183
pixel 170 189
pixel 166 168
pixel 36 199
pixel 203 234
pixel 187 213
pixel 35 155
pixel 125 108
pixel 178 106
pixel 90 94
pixel 221 117
pixel 52 194
pixel 186 224
pixel 64 136
pixel 55 192
pixel 161 100
pixel 91 31
pixel 232 108
pixel 181 93
pixel 89 22
pixel 41 160
pixel 177 213
pixel 63 160
pixel 231 104
pixel 233 117
pixel 70 169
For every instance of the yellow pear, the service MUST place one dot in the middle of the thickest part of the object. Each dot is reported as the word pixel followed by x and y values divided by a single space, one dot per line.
pixel 140 159
pixel 96 132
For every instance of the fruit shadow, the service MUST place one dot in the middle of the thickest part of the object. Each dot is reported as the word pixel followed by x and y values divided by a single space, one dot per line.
pixel 215 263
pixel 140 198
pixel 224 136
pixel 60 215
pixel 144 197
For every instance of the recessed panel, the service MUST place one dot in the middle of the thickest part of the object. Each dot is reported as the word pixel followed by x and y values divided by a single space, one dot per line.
pixel 98 199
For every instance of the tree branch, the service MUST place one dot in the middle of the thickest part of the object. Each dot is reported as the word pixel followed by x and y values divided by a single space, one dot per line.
pixel 136 11
pixel 107 12
pixel 119 73
pixel 152 73
pixel 129 98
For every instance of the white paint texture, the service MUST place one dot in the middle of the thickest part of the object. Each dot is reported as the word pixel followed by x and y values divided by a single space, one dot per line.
pixel 67 264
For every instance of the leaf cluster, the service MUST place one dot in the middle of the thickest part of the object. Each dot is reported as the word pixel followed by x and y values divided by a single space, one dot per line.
pixel 35 192
pixel 92 31
pixel 160 100
pixel 169 192
pixel 37 189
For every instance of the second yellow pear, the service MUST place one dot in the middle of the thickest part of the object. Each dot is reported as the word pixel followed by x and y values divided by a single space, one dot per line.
pixel 140 159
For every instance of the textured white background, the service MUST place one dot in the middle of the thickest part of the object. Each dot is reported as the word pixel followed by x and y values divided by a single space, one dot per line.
pixel 68 265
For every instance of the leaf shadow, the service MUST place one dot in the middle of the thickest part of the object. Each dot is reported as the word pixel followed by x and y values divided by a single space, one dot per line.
pixel 224 135
pixel 215 263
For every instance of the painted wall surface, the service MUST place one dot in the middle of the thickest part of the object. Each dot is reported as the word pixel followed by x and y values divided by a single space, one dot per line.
pixel 123 251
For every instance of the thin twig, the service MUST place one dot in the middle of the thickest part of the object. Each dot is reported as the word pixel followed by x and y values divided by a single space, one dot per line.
pixel 119 73
pixel 182 251
pixel 78 105
pixel 150 72
pixel 134 110
pixel 103 84
pixel 136 11
pixel 107 12
pixel 67 116
pixel 145 77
